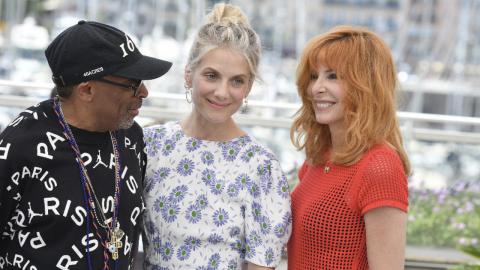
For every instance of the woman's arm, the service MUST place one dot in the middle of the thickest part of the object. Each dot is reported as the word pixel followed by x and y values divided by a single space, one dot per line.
pixel 252 266
pixel 386 237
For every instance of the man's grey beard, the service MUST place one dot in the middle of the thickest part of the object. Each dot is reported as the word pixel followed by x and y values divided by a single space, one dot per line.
pixel 126 124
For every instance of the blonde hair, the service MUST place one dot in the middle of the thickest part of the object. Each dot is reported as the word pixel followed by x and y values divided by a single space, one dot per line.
pixel 364 64
pixel 226 26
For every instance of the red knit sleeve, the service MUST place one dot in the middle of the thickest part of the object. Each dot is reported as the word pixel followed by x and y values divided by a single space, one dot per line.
pixel 383 183
pixel 302 170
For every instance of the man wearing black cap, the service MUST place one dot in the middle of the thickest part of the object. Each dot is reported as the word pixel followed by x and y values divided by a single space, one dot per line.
pixel 72 167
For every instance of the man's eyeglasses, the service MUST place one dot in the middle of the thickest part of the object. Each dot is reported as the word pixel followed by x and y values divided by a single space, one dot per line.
pixel 133 86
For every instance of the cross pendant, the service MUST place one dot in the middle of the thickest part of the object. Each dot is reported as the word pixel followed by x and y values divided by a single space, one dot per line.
pixel 113 246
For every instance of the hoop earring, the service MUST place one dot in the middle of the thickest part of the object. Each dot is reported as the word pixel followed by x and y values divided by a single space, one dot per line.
pixel 245 105
pixel 188 93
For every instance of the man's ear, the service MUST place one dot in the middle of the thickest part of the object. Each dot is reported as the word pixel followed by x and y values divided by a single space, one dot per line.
pixel 85 91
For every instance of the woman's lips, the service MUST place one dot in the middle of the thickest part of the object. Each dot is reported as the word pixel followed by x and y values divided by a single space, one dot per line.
pixel 216 104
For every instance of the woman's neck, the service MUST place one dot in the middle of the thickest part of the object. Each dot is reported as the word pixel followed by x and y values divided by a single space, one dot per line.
pixel 338 139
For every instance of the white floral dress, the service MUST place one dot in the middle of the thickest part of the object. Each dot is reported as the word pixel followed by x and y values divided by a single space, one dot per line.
pixel 212 205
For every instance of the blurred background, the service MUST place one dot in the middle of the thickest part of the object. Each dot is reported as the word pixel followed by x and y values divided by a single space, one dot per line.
pixel 435 44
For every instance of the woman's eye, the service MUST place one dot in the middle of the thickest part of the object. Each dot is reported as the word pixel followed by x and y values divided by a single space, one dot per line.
pixel 238 82
pixel 210 76
pixel 332 76
pixel 313 76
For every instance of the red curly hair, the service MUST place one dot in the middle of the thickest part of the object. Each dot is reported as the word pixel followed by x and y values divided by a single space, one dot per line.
pixel 364 65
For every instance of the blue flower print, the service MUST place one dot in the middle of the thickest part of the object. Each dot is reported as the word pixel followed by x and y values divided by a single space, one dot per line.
pixel 158 176
pixel 254 190
pixel 282 187
pixel 220 217
pixel 232 265
pixel 243 181
pixel 149 184
pixel 269 256
pixel 239 246
pixel 168 147
pixel 183 253
pixel 152 137
pixel 264 171
pixel 161 174
pixel 254 239
pixel 201 202
pixel 230 152
pixel 261 171
pixel 213 262
pixel 177 135
pixel 193 214
pixel 249 153
pixel 279 230
pixel 193 243
pixel 223 144
pixel 157 244
pixel 268 167
pixel 185 167
pixel 244 140
pixel 216 186
pixel 265 225
pixel 283 252
pixel 167 251
pixel 207 158
pixel 170 213
pixel 287 219
pixel 232 190
pixel 149 133
pixel 269 154
pixel 154 133
pixel 257 212
pixel 249 251
pixel 160 133
pixel 177 194
pixel 234 231
pixel 193 144
pixel 160 204
pixel 214 239
pixel 156 267
pixel 208 176
pixel 266 185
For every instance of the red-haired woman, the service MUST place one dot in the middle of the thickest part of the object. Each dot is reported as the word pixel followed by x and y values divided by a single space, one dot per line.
pixel 350 207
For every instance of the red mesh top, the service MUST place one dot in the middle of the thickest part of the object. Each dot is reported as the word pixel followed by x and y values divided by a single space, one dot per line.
pixel 328 208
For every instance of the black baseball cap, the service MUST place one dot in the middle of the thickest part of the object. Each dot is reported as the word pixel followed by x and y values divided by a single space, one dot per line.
pixel 91 50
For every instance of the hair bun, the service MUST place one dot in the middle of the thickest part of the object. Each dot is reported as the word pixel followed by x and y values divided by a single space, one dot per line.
pixel 226 26
pixel 226 14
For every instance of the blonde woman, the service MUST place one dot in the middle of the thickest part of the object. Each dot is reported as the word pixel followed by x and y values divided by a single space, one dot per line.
pixel 216 198
pixel 350 208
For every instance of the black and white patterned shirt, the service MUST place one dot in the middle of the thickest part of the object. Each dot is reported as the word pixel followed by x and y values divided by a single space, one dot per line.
pixel 42 205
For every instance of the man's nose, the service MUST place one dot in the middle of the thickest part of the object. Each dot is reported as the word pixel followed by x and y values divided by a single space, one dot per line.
pixel 142 91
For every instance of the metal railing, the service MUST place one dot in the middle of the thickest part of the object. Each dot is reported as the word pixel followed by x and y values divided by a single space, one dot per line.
pixel 176 109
